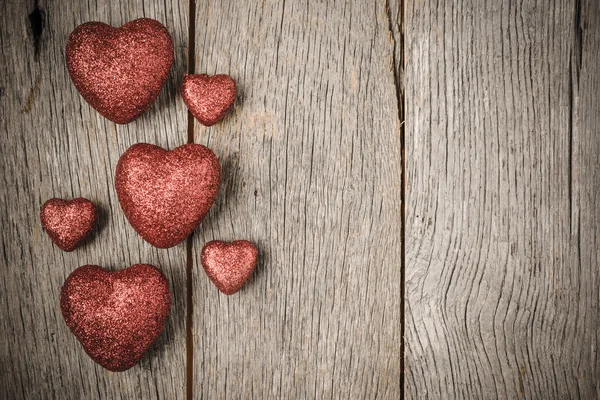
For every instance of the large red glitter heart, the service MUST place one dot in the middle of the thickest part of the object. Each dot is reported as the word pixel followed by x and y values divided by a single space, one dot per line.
pixel 68 222
pixel 166 194
pixel 209 98
pixel 120 71
pixel 116 316
pixel 229 265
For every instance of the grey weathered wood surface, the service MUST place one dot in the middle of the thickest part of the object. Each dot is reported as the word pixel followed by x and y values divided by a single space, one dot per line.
pixel 503 146
pixel 502 156
pixel 54 145
pixel 311 160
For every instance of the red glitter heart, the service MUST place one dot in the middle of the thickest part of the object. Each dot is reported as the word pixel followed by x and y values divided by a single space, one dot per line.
pixel 116 316
pixel 209 98
pixel 68 222
pixel 229 265
pixel 166 194
pixel 120 71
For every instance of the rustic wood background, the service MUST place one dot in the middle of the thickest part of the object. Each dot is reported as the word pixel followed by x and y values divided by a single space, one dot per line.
pixel 483 116
pixel 503 220
pixel 54 145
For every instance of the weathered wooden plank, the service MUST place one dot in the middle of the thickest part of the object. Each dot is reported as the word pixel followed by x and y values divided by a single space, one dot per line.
pixel 54 144
pixel 586 169
pixel 502 214
pixel 311 163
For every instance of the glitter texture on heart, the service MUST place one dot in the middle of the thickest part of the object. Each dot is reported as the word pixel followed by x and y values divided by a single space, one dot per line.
pixel 164 194
pixel 229 265
pixel 116 316
pixel 120 71
pixel 68 222
pixel 209 98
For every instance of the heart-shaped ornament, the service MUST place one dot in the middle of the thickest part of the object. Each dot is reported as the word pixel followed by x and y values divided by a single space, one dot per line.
pixel 116 316
pixel 120 71
pixel 229 265
pixel 68 222
pixel 166 194
pixel 209 98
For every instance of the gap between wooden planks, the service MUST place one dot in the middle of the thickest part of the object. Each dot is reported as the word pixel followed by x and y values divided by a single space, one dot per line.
pixel 189 244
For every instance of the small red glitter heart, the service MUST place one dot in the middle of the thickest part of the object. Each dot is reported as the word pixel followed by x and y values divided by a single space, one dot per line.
pixel 229 265
pixel 116 316
pixel 209 98
pixel 164 194
pixel 68 222
pixel 120 71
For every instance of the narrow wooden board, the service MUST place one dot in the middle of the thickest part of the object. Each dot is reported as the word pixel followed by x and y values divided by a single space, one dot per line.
pixel 586 164
pixel 311 161
pixel 54 145
pixel 502 117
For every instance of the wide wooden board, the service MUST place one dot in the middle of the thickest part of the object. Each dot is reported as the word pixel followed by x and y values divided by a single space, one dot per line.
pixel 502 144
pixel 311 160
pixel 55 145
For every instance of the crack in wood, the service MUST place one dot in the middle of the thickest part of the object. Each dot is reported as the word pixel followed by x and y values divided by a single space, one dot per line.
pixel 575 66
pixel 37 23
pixel 399 86
pixel 190 241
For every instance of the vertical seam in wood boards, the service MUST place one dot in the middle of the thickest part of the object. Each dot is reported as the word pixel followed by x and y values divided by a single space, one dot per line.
pixel 575 66
pixel 399 83
pixel 189 340
pixel 402 117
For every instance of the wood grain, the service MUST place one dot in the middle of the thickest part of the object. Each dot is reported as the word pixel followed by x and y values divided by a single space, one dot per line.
pixel 54 145
pixel 311 164
pixel 502 118
pixel 502 143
